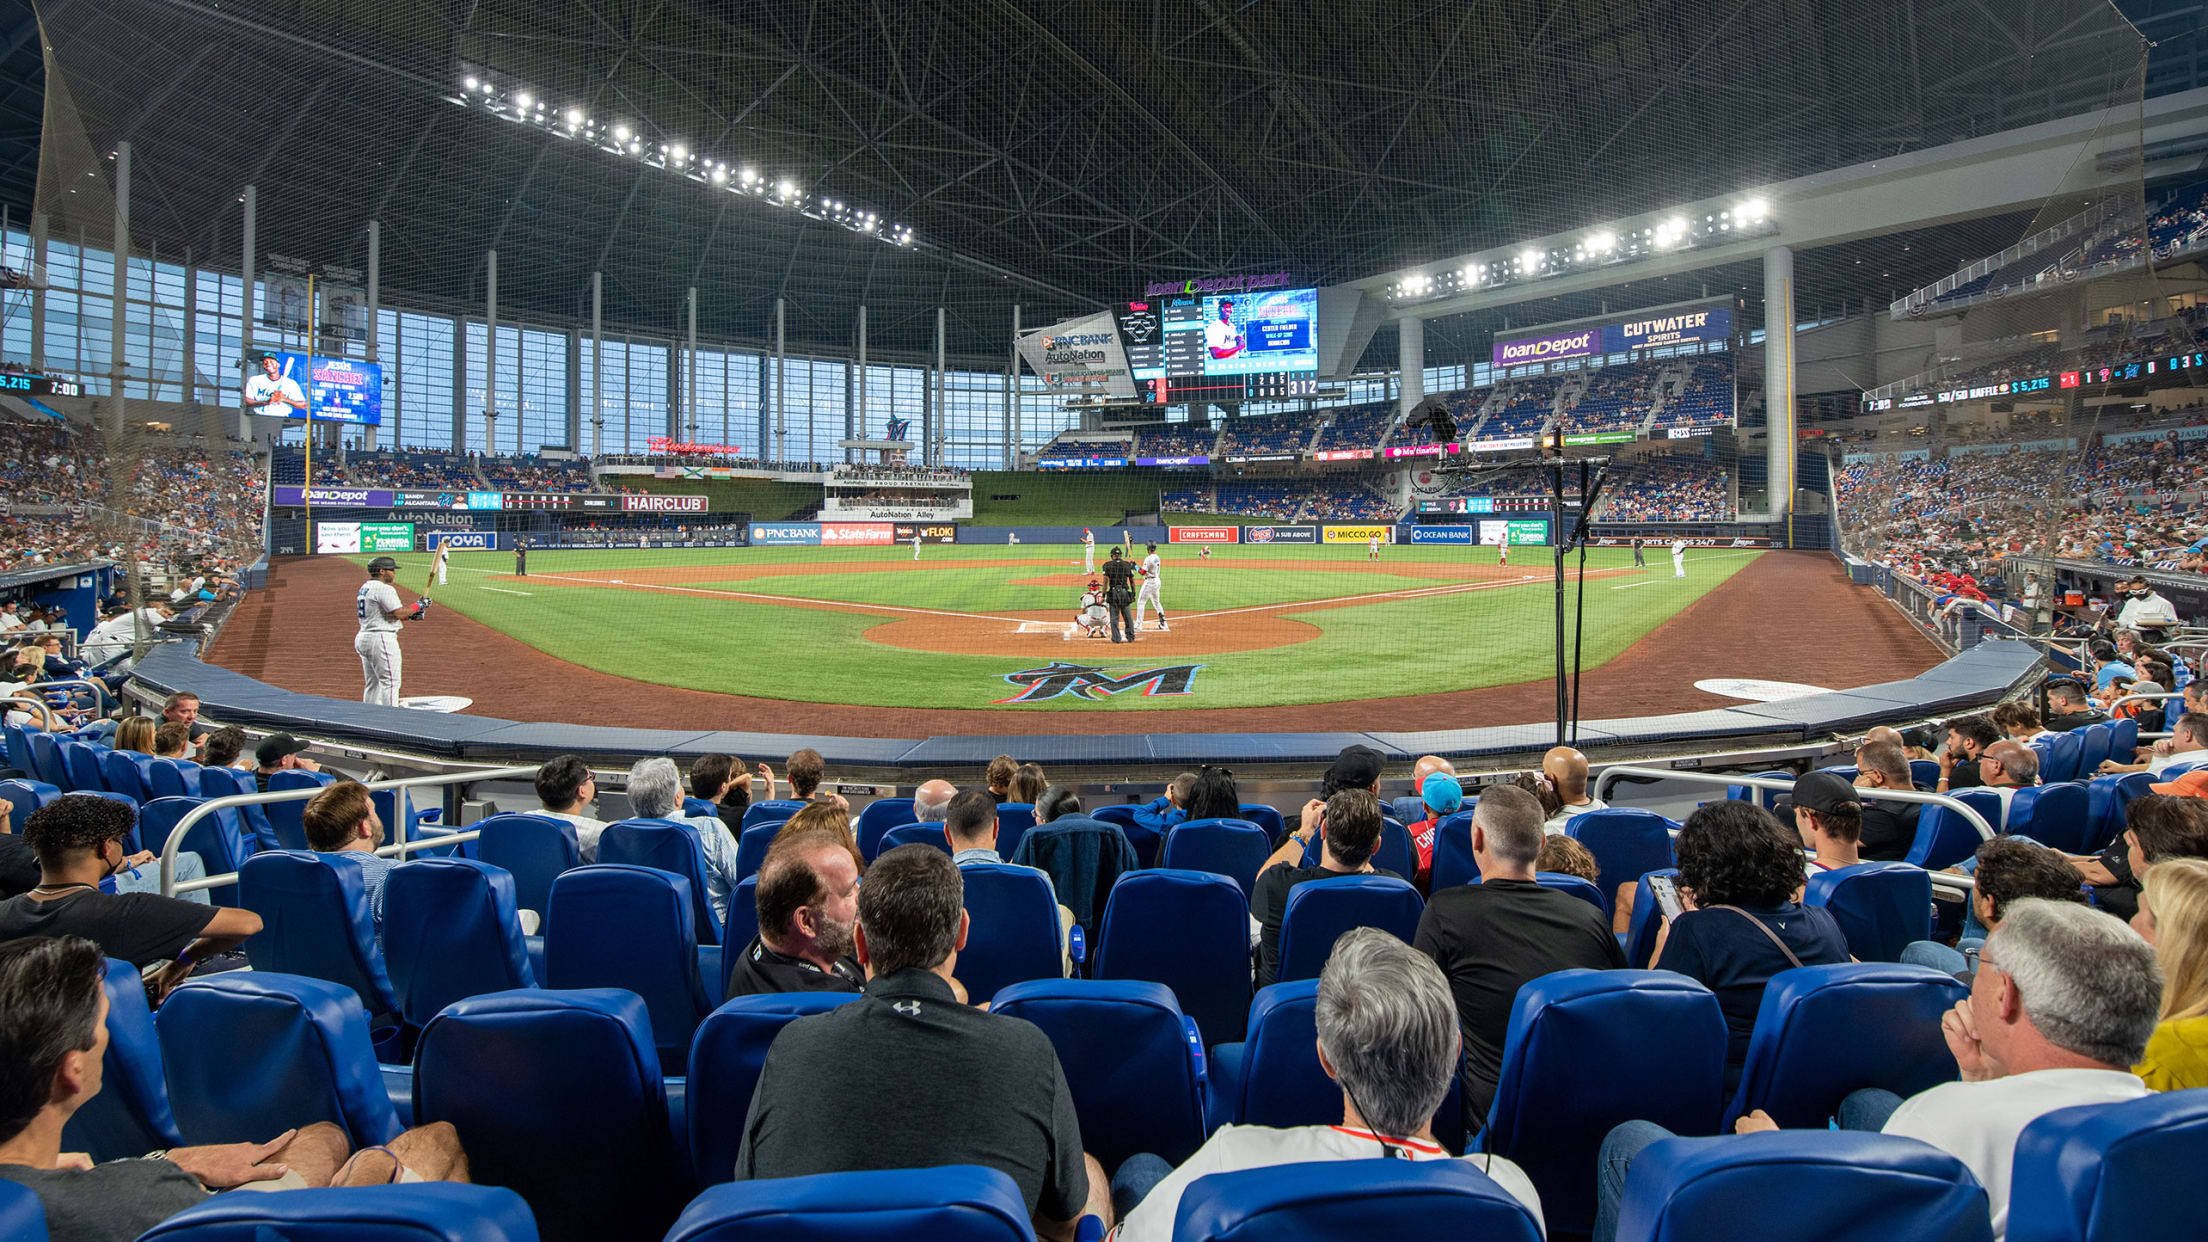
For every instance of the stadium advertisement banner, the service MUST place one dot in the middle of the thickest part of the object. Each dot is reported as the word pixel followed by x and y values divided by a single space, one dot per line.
pixel 1240 458
pixel 462 539
pixel 1517 530
pixel 1424 450
pixel 1514 444
pixel 1605 437
pixel 344 538
pixel 338 390
pixel 1080 355
pixel 786 533
pixel 1356 534
pixel 1280 534
pixel 1199 459
pixel 1714 324
pixel 1441 534
pixel 1548 347
pixel 1664 539
pixel 663 504
pixel 1343 455
pixel 856 534
pixel 1081 463
pixel 1202 534
pixel 944 533
pixel 357 497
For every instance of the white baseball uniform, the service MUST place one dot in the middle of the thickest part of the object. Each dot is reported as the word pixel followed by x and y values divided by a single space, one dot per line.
pixel 1678 558
pixel 1502 548
pixel 1088 551
pixel 916 547
pixel 1372 547
pixel 378 642
pixel 1148 592
pixel 444 557
pixel 260 388
pixel 1092 619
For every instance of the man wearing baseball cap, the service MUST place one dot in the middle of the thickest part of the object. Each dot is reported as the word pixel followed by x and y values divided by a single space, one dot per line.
pixel 279 752
pixel 1830 818
pixel 1442 796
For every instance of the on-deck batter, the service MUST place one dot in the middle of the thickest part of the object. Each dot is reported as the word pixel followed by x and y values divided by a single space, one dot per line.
pixel 381 614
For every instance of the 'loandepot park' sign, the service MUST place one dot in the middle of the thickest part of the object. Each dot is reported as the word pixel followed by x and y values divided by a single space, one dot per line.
pixel 1681 327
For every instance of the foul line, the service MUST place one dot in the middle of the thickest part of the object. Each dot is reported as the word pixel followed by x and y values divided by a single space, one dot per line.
pixel 790 600
pixel 504 591
pixel 1453 588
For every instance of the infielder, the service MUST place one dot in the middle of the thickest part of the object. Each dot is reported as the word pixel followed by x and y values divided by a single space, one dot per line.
pixel 1678 558
pixel 273 393
pixel 916 547
pixel 1088 550
pixel 1502 549
pixel 1150 570
pixel 444 558
pixel 381 614
pixel 1372 548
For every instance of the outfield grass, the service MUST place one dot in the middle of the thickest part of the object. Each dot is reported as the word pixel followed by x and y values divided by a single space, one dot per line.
pixel 707 638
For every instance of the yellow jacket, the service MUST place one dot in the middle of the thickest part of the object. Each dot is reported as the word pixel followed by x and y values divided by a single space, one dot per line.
pixel 2177 1056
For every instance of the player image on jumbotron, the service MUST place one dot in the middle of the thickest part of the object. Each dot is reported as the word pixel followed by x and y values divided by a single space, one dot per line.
pixel 1220 335
pixel 273 392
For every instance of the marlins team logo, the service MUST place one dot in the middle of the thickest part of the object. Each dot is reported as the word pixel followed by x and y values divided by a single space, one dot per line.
pixel 1095 684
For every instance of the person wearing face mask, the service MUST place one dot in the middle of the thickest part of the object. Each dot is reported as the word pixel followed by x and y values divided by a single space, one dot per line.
pixel 2143 605
pixel 78 840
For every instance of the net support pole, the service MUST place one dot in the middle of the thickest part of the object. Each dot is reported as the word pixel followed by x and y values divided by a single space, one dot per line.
pixel 858 431
pixel 1012 403
pixel 942 386
pixel 490 352
pixel 190 331
pixel 40 225
pixel 119 310
pixel 1410 361
pixel 690 366
pixel 1778 380
pixel 373 433
pixel 781 361
pixel 597 363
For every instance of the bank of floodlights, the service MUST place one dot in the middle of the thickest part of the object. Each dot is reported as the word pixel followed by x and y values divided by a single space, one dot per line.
pixel 524 106
pixel 1600 248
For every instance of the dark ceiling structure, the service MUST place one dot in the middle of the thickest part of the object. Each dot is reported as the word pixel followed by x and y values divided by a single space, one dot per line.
pixel 1052 154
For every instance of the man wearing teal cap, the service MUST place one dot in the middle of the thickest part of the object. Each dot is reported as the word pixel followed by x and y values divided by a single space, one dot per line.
pixel 1443 796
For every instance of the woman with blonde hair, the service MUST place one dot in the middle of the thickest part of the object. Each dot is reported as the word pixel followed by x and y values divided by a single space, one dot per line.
pixel 2173 917
pixel 1028 784
pixel 829 816
pixel 136 734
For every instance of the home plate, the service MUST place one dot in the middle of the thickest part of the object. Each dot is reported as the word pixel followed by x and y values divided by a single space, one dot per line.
pixel 446 703
pixel 1757 691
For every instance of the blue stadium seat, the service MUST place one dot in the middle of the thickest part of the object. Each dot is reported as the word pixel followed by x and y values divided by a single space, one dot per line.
pixel 699 806
pixel 1013 929
pixel 1944 838
pixel 954 1203
pixel 288 819
pixel 46 762
pixel 1453 861
pixel 214 838
pixel 252 1053
pixel 1588 1049
pixel 2060 816
pixel 1837 1186
pixel 250 822
pixel 451 930
pixel 1881 906
pixel 1334 1201
pixel 2059 757
pixel 1924 773
pixel 614 926
pixel 1627 844
pixel 1189 930
pixel 1013 821
pixel 2107 800
pixel 131 1114
pixel 742 922
pixel 534 849
pixel 2123 738
pixel 771 811
pixel 1265 817
pixel 1647 921
pixel 1396 852
pixel 1319 911
pixel 916 834
pixel 879 816
pixel 664 845
pixel 2111 1172
pixel 22 1216
pixel 27 794
pixel 424 1212
pixel 527 1072
pixel 2095 744
pixel 1765 798
pixel 1577 886
pixel 725 1058
pixel 121 772
pixel 81 761
pixel 1824 1031
pixel 173 778
pixel 1234 848
pixel 18 739
pixel 1134 1063
pixel 752 846
pixel 315 922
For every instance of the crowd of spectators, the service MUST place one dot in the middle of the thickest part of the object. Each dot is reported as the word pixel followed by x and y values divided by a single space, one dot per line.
pixel 414 471
pixel 163 504
pixel 1684 488
pixel 1273 433
pixel 1305 500
pixel 1705 396
pixel 1525 407
pixel 536 474
pixel 2175 224
pixel 1175 440
pixel 1355 427
pixel 1616 399
pixel 863 472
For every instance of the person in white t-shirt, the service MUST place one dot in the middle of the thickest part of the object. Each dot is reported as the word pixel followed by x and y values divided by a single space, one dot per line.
pixel 566 789
pixel 380 613
pixel 1565 770
pixel 1151 584
pixel 2060 1009
pixel 1388 1034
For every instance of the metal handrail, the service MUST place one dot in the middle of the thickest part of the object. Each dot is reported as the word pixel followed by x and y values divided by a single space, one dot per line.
pixel 1942 878
pixel 399 849
pixel 45 713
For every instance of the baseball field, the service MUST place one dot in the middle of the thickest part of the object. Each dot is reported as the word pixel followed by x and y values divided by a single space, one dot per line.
pixel 988 627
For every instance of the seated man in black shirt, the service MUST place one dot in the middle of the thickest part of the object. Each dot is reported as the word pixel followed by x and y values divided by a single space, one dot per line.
pixel 907 1076
pixel 1889 828
pixel 78 839
pixel 1349 826
pixel 2171 821
pixel 1967 739
pixel 808 907
pixel 53 1036
pixel 1491 937
pixel 2068 707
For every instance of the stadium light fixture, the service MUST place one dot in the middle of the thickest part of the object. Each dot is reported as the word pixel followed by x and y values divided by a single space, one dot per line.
pixel 473 82
pixel 523 101
pixel 574 118
pixel 679 154
pixel 720 175
pixel 621 133
pixel 1755 210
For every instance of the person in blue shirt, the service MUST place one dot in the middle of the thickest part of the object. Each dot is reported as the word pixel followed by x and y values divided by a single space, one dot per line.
pixel 2107 665
pixel 1167 810
pixel 342 820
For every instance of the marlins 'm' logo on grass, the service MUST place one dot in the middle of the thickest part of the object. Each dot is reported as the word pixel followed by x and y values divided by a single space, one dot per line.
pixel 1093 683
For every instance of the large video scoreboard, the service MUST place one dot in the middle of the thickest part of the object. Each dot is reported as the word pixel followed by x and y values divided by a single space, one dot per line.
pixel 1255 346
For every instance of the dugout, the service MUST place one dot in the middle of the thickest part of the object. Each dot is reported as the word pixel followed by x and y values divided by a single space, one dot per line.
pixel 77 588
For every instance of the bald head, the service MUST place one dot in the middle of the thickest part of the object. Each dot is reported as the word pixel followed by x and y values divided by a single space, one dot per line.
pixel 1883 733
pixel 1426 766
pixel 2019 764
pixel 932 800
pixel 1567 771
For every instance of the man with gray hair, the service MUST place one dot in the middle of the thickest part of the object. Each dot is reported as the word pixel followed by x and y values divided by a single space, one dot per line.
pixel 1388 1035
pixel 932 801
pixel 1491 937
pixel 655 792
pixel 2059 1011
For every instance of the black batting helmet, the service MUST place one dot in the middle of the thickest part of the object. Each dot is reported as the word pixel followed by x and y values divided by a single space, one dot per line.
pixel 382 563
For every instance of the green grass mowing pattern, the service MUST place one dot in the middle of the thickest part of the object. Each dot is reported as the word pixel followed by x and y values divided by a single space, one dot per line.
pixel 716 641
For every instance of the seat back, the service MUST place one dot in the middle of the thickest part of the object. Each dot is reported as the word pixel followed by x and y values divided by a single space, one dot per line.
pixel 1453 862
pixel 2059 756
pixel 2095 744
pixel 2123 737
pixel 1013 821
pixel 27 794
pixel 46 761
pixel 422 1212
pixel 315 922
pixel 214 838
pixel 288 819
pixel 752 845
pixel 916 834
pixel 80 761
pixel 22 1216
pixel 878 817
pixel 172 778
pixel 1765 798
pixel 1266 817
pixel 451 930
pixel 308 1059
pixel 534 849
pixel 131 1114
pixel 699 806
pixel 1648 920
pixel 953 1203
pixel 250 822
pixel 1578 886
pixel 665 845
pixel 1575 1064
pixel 2104 1172
pixel 1330 1200
pixel 1013 932
pixel 1944 838
pixel 1133 1062
pixel 1234 848
pixel 771 810
pixel 1881 906
pixel 614 926
pixel 1319 911
pixel 2059 816
pixel 1189 930
pixel 1627 844
pixel 1841 1186
pixel 742 922
pixel 18 740
pixel 527 1072
pixel 119 769
pixel 723 1071
pixel 1824 1031
pixel 1924 773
